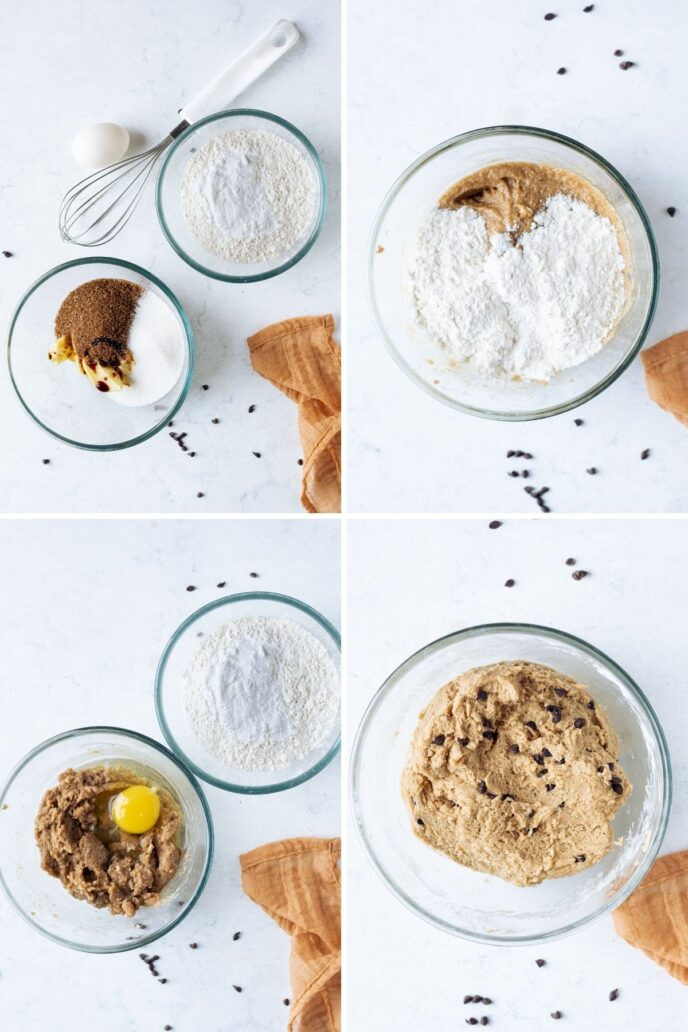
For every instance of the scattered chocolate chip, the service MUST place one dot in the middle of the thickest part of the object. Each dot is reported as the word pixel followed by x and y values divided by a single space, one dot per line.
pixel 509 583
pixel 495 524
pixel 471 1021
pixel 540 962
pixel 570 562
pixel 546 753
pixel 525 474
pixel 588 9
pixel 199 494
pixel 671 211
pixel 237 988
pixel 532 725
pixel 580 859
pixel 578 422
pixel 192 454
pixel 526 455
pixel 257 454
pixel 549 17
pixel 539 759
pixel 645 454
pixel 487 1001
pixel 618 53
pixel 167 1028
pixel 556 1015
pixel 204 386
pixel 420 821
pixel 252 408
pixel 510 454
pixel 514 748
pixel 484 1020
pixel 579 722
pixel 254 575
pixel 529 490
pixel 215 420
pixel 299 462
pixel 490 735
pixel 482 787
pixel 482 695
pixel 46 462
pixel 467 999
pixel 462 741
pixel 625 65
pixel 513 473
pixel 170 423
pixel 191 587
pixel 236 936
pixel 8 254
pixel 163 981
pixel 550 788
pixel 617 787
pixel 579 574
pixel 592 471
pixel 555 711
pixel 286 1001
pixel 614 995
pixel 222 584
pixel 193 945
pixel 439 740
pixel 561 71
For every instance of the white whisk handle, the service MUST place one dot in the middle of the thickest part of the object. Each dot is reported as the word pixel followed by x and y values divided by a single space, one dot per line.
pixel 240 74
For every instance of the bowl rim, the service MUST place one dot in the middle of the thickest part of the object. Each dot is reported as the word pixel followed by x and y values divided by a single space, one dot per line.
pixel 158 747
pixel 534 630
pixel 228 786
pixel 190 349
pixel 322 208
pixel 542 412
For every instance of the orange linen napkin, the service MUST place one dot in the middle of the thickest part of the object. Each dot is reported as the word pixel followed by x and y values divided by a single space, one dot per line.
pixel 666 374
pixel 655 917
pixel 300 357
pixel 297 883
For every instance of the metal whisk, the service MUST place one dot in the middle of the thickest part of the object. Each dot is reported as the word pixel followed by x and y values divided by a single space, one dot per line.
pixel 98 207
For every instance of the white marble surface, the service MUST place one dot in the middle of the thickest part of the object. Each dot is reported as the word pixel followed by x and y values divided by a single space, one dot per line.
pixel 422 72
pixel 68 64
pixel 403 974
pixel 84 640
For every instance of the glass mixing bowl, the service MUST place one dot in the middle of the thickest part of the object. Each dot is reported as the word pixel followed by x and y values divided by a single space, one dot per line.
pixel 406 207
pixel 58 397
pixel 479 906
pixel 168 195
pixel 169 683
pixel 42 900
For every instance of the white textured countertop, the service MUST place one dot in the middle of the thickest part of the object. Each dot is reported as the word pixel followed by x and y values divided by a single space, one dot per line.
pixel 420 73
pixel 65 65
pixel 633 606
pixel 82 641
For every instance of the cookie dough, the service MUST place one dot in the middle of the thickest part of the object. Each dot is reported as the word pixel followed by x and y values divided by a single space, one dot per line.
pixel 96 861
pixel 514 771
pixel 510 193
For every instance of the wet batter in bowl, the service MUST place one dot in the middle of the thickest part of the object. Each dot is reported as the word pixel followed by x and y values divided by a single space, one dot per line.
pixel 514 770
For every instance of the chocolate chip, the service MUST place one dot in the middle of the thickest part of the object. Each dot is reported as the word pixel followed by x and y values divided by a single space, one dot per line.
pixel 482 787
pixel 506 796
pixel 529 490
pixel 625 65
pixel 252 408
pixel 588 9
pixel 491 795
pixel 216 420
pixel 541 773
pixel 579 574
pixel 645 454
pixel 671 211
pixel 286 1001
pixel 8 254
pixel 167 1028
pixel 539 759
pixel 556 713
pixel 467 999
pixel 254 575
pixel 526 455
pixel 549 17
pixel 487 723
pixel 578 422
pixel 257 454
pixel 614 995
pixel 204 386
pixel 163 981
pixel 513 473
pixel 617 788
pixel 222 584
pixel 561 692
pixel 540 962
pixel 525 474
pixel 562 760
pixel 592 471
pixel 462 741
pixel 46 462
pixel 438 740
pixel 618 53
pixel 611 767
pixel 495 524
pixel 562 804
pixel 237 988
pixel 191 587
pixel 482 695
pixel 546 752
pixel 579 722
pixel 484 1020
pixel 299 462
pixel 199 494
pixel 509 583
pixel 487 1001
pixel 550 788
pixel 561 71
pixel 570 562
pixel 420 821
pixel 532 725
pixel 580 859
pixel 514 748
pixel 490 735
pixel 193 945
pixel 471 1021
pixel 591 704
pixel 556 1015
pixel 236 936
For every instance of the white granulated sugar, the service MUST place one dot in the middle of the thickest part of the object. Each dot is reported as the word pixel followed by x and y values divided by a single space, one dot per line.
pixel 249 196
pixel 157 342
pixel 261 693
pixel 528 309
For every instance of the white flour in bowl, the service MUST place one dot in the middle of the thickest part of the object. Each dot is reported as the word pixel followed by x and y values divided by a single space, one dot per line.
pixel 527 309
pixel 261 693
pixel 249 196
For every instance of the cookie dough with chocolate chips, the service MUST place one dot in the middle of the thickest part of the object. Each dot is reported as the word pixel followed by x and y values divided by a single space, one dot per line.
pixel 96 861
pixel 514 771
pixel 510 193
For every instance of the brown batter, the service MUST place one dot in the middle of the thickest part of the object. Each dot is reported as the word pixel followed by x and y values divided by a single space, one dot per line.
pixel 510 193
pixel 514 771
pixel 94 860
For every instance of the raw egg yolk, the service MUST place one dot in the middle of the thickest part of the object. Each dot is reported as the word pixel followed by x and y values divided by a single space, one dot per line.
pixel 136 809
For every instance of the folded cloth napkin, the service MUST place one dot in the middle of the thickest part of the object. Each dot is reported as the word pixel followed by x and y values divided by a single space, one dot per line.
pixel 655 917
pixel 666 374
pixel 297 883
pixel 300 357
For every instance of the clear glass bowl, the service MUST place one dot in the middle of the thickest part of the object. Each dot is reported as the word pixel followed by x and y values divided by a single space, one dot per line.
pixel 406 207
pixel 57 397
pixel 479 906
pixel 169 683
pixel 42 900
pixel 168 195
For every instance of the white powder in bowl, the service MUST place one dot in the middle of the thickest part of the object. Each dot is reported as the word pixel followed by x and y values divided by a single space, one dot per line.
pixel 261 693
pixel 158 344
pixel 529 309
pixel 249 196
